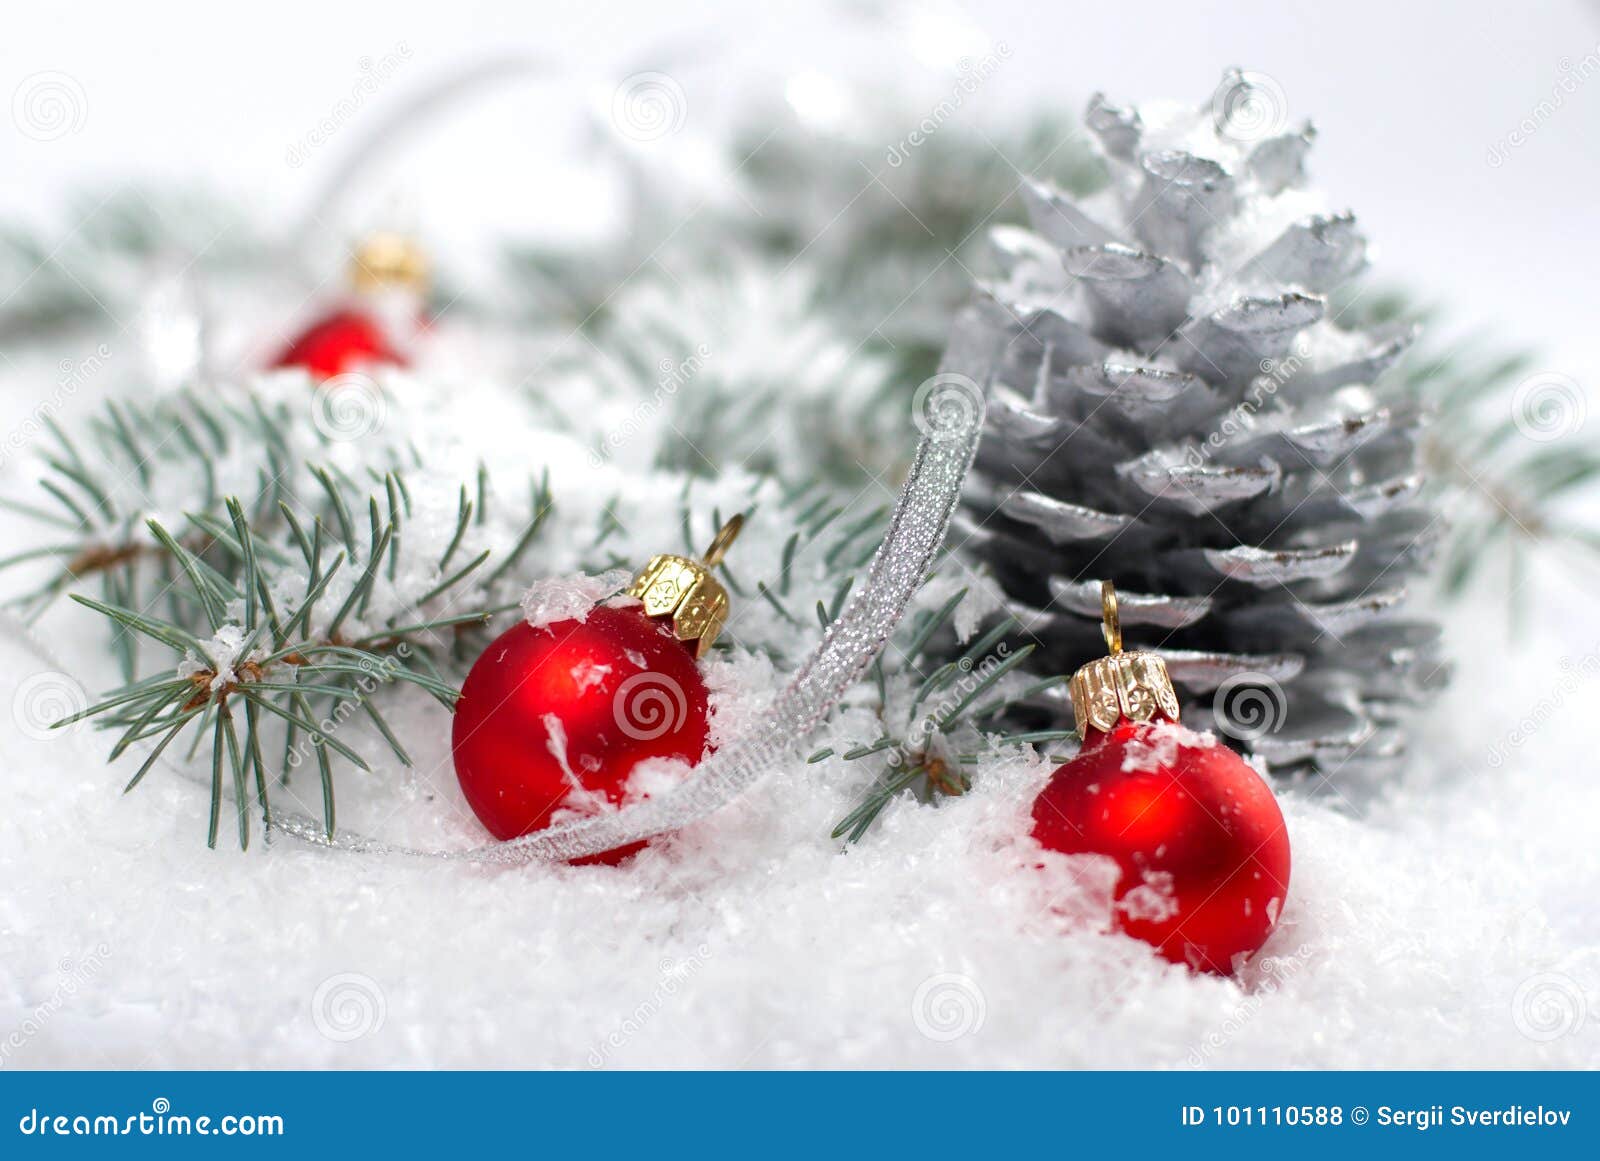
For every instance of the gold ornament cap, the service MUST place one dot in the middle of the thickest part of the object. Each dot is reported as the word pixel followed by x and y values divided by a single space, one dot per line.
pixel 389 261
pixel 1132 685
pixel 686 591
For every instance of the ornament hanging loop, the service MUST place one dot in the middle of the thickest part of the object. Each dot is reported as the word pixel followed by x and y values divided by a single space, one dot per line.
pixel 1110 619
pixel 1133 685
pixel 725 537
pixel 686 592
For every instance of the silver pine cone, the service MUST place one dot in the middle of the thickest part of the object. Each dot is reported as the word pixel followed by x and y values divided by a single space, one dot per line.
pixel 1175 405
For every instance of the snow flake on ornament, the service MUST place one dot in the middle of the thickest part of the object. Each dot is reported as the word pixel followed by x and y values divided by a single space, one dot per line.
pixel 1153 900
pixel 1156 749
pixel 588 674
pixel 569 598
pixel 579 798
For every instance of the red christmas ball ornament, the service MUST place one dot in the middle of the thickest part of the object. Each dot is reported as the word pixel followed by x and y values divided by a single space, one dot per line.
pixel 555 719
pixel 340 342
pixel 1195 831
pixel 389 275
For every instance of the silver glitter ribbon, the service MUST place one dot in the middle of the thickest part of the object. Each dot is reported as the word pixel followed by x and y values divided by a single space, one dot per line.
pixel 949 410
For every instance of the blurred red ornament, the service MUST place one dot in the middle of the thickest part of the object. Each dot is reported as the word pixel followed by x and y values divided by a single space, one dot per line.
pixel 343 341
pixel 389 279
pixel 1196 832
pixel 558 717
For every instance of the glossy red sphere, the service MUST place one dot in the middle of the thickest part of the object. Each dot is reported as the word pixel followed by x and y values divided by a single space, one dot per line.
pixel 1196 832
pixel 557 717
pixel 341 342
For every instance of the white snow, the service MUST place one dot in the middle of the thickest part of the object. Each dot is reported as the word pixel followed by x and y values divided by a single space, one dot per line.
pixel 983 597
pixel 1448 921
pixel 655 776
pixel 1153 898
pixel 1157 748
pixel 569 598
pixel 588 674
pixel 222 657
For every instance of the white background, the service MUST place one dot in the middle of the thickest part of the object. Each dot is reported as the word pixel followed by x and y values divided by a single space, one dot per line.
pixel 1409 98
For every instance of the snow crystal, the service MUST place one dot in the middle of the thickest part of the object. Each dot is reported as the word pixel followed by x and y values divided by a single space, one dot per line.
pixel 1152 899
pixel 655 776
pixel 1156 748
pixel 587 674
pixel 579 797
pixel 649 777
pixel 223 649
pixel 569 598
pixel 983 598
